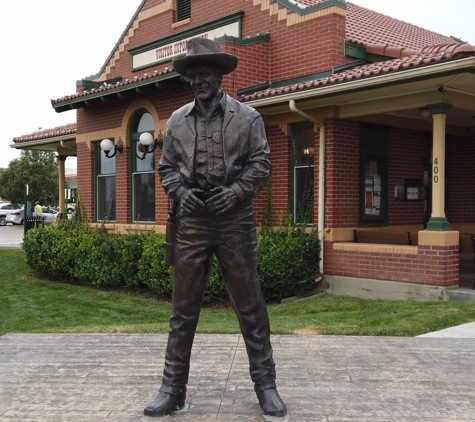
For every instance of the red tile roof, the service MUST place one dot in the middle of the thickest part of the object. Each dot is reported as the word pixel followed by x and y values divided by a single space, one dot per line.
pixel 107 87
pixel 427 56
pixel 364 26
pixel 380 34
pixel 69 129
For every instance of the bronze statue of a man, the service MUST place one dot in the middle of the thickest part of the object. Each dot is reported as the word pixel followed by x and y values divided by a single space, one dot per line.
pixel 215 160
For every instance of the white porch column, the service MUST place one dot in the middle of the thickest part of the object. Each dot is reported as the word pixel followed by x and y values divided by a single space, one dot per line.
pixel 62 182
pixel 438 220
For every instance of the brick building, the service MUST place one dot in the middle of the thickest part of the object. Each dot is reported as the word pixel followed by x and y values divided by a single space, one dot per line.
pixel 370 118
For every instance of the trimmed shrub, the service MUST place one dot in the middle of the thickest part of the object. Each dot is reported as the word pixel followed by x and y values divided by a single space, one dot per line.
pixel 287 260
pixel 52 250
pixel 152 269
pixel 108 259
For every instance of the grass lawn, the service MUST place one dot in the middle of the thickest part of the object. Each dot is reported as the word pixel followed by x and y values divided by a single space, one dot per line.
pixel 33 305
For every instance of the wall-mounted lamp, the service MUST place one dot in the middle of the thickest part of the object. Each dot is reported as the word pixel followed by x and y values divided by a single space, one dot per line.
pixel 308 151
pixel 147 145
pixel 425 112
pixel 107 146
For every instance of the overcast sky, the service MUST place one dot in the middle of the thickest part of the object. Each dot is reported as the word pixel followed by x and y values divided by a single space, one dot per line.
pixel 48 45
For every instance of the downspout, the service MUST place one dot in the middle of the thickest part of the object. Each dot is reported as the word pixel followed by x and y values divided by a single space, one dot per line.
pixel 321 175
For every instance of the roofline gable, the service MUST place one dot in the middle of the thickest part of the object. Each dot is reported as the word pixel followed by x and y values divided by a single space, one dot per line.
pixel 116 46
pixel 301 9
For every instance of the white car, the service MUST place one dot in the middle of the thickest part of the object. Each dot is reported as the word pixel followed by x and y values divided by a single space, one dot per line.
pixel 14 216
pixel 17 216
pixel 5 208
pixel 49 215
pixel 70 208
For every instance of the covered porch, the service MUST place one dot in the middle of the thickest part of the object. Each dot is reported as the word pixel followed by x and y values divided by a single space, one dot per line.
pixel 428 102
pixel 60 140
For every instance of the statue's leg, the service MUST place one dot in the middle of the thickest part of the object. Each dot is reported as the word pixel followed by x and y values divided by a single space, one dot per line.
pixel 193 259
pixel 237 255
pixel 193 256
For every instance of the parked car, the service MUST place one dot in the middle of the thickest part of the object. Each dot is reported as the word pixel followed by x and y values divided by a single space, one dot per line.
pixel 70 208
pixel 49 214
pixel 5 209
pixel 15 216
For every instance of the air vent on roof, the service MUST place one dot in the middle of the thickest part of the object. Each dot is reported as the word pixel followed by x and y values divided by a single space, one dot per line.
pixel 183 10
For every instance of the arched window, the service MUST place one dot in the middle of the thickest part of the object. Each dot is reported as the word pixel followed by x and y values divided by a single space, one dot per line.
pixel 143 172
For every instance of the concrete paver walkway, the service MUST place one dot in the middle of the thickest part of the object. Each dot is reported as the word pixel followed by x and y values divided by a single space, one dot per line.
pixel 460 331
pixel 100 377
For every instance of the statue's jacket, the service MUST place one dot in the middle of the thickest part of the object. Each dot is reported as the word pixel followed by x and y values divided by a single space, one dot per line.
pixel 245 149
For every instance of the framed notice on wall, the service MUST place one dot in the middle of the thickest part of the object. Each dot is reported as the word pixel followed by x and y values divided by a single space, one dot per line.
pixel 415 191
pixel 372 195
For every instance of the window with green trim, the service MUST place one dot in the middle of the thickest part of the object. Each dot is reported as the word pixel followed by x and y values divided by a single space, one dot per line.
pixel 183 10
pixel 302 173
pixel 143 172
pixel 374 151
pixel 105 185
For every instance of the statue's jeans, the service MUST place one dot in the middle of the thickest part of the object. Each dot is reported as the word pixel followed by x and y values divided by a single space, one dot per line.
pixel 232 238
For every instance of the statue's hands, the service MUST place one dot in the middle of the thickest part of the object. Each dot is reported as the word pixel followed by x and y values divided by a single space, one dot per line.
pixel 223 201
pixel 190 203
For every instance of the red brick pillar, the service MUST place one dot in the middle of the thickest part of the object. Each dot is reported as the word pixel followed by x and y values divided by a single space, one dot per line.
pixel 438 258
pixel 85 175
pixel 122 187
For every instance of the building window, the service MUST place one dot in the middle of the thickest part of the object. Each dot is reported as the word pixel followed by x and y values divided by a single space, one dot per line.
pixel 143 173
pixel 302 176
pixel 183 10
pixel 105 186
pixel 374 189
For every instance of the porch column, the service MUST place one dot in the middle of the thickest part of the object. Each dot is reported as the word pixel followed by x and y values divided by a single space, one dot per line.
pixel 438 220
pixel 62 184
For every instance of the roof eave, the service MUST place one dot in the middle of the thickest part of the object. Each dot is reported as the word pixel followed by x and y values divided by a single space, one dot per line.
pixel 372 82
pixel 43 141
pixel 111 93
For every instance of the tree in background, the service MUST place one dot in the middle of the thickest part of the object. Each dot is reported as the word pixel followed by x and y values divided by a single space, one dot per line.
pixel 38 170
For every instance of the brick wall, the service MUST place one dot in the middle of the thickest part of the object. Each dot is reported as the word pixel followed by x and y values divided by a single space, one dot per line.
pixel 253 67
pixel 85 172
pixel 342 174
pixel 433 265
pixel 279 144
pixel 406 162
pixel 122 186
pixel 293 51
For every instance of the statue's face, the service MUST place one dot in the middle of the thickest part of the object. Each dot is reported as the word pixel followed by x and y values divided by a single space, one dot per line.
pixel 205 82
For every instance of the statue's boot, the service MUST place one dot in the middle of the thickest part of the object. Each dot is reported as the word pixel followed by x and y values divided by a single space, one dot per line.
pixel 169 399
pixel 271 403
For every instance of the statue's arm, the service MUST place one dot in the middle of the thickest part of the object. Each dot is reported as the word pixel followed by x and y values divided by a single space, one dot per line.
pixel 258 167
pixel 169 172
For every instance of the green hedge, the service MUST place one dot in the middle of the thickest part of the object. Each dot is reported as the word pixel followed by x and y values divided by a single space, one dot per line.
pixel 70 251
